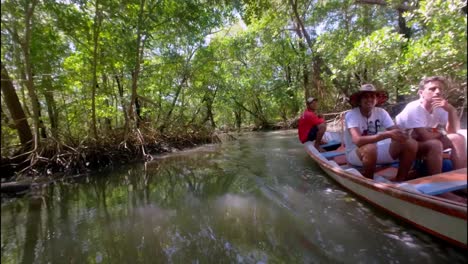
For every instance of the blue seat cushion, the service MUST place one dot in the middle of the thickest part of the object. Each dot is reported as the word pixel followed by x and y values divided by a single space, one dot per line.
pixel 331 145
pixel 441 187
pixel 331 154
pixel 421 166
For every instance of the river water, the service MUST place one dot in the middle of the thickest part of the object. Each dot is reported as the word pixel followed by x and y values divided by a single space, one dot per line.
pixel 259 199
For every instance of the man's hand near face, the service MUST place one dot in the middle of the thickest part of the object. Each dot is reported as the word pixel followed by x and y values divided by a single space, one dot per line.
pixel 438 101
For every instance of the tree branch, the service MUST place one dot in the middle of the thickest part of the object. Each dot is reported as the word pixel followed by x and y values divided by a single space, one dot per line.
pixel 384 3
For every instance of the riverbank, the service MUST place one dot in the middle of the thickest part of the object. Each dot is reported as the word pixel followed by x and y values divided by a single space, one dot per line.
pixel 55 160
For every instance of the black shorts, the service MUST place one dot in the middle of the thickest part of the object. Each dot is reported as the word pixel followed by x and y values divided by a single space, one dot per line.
pixel 312 133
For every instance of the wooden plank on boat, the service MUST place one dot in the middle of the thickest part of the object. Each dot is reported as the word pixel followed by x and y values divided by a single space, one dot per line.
pixel 441 183
pixel 455 175
pixel 387 172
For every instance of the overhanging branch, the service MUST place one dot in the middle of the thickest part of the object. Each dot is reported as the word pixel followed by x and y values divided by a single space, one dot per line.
pixel 384 3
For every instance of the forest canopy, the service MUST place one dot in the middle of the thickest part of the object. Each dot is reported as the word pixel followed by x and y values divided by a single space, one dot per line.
pixel 77 70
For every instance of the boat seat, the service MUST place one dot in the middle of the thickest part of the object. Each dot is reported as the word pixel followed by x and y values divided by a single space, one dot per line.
pixel 331 145
pixel 441 183
pixel 332 154
pixel 334 164
pixel 345 166
pixel 340 160
pixel 388 172
pixel 354 171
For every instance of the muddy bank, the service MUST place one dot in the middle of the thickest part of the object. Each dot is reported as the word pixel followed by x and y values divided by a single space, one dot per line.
pixel 54 160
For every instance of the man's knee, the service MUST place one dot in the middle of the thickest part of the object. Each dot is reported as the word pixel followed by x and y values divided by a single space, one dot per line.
pixel 432 145
pixel 368 152
pixel 369 148
pixel 456 139
pixel 410 145
pixel 322 127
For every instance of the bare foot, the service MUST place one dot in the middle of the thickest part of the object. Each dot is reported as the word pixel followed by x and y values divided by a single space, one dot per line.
pixel 395 179
pixel 412 174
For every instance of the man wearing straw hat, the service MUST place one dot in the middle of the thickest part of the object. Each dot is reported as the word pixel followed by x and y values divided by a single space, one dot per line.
pixel 372 138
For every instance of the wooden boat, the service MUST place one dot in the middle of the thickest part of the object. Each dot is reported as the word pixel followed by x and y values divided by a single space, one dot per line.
pixel 417 201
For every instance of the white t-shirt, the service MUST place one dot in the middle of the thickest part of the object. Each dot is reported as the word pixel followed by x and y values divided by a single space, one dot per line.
pixel 378 121
pixel 414 115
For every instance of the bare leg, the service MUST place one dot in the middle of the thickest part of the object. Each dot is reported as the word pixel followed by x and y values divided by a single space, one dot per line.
pixel 318 140
pixel 431 152
pixel 458 150
pixel 368 156
pixel 406 153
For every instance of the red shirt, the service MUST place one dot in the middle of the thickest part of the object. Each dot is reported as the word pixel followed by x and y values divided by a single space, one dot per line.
pixel 307 120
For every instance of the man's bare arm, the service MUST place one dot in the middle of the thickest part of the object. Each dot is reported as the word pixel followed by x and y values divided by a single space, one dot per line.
pixel 424 134
pixel 453 124
pixel 395 134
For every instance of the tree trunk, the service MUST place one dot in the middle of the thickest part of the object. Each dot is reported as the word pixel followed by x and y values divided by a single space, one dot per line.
pixel 96 32
pixel 403 28
pixel 122 102
pixel 51 105
pixel 209 107
pixel 257 115
pixel 15 109
pixel 25 46
pixel 305 68
pixel 108 103
pixel 136 70
pixel 176 97
pixel 139 118
pixel 238 117
pixel 64 102
pixel 317 62
pixel 42 127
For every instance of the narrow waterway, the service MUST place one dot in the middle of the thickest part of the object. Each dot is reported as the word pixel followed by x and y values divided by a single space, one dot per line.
pixel 259 199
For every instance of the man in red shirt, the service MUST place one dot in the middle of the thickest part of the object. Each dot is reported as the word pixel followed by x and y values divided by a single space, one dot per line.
pixel 312 126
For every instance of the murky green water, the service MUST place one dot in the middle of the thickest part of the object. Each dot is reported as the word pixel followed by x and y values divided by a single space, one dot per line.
pixel 260 199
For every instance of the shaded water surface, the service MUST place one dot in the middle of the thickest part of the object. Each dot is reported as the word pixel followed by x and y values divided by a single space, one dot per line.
pixel 259 199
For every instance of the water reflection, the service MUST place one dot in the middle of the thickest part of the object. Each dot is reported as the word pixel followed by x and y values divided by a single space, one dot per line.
pixel 256 200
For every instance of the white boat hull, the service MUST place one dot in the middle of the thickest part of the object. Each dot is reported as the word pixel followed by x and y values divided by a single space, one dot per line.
pixel 441 217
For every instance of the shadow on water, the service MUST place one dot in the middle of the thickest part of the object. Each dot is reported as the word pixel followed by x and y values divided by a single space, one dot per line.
pixel 256 200
pixel 32 230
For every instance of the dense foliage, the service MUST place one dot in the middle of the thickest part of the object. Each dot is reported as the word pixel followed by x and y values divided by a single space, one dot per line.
pixel 89 69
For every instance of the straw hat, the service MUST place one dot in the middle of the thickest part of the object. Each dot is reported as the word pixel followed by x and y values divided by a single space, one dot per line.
pixel 355 98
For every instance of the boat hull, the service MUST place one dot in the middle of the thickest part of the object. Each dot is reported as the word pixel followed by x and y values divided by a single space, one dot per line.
pixel 437 216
